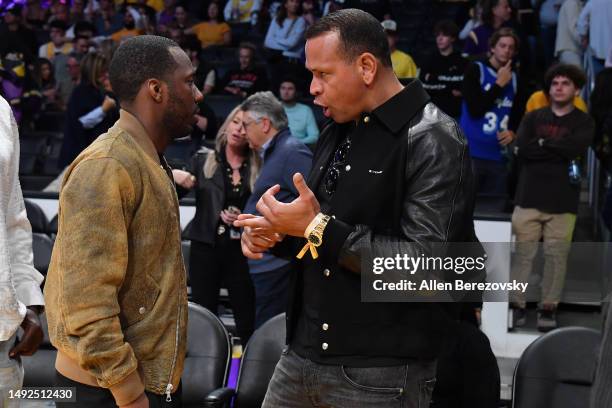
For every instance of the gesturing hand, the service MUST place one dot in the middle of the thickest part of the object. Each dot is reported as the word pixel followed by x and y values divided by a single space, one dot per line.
pixel 257 240
pixel 285 218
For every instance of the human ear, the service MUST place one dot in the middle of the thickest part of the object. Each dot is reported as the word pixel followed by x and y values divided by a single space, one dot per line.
pixel 155 90
pixel 368 66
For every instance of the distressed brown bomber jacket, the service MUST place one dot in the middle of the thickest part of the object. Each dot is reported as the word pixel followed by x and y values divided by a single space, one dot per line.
pixel 115 293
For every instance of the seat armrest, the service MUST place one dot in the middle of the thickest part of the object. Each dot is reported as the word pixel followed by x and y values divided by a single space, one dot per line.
pixel 219 398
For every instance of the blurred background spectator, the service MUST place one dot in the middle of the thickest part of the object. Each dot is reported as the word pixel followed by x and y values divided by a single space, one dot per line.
pixel 247 78
pixel 495 14
pixel 91 110
pixel 223 179
pixel 49 87
pixel 213 31
pixel 442 72
pixel 594 27
pixel 403 64
pixel 302 122
pixel 285 43
pixel 58 43
pixel 567 45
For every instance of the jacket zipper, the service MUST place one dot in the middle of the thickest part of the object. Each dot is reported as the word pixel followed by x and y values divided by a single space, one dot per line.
pixel 169 386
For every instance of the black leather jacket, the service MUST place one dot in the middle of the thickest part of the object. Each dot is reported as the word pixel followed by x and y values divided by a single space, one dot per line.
pixel 406 186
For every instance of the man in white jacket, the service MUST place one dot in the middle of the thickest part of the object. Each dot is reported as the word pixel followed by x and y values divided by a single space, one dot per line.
pixel 567 46
pixel 594 27
pixel 21 299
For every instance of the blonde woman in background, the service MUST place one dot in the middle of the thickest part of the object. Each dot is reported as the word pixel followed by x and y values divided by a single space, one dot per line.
pixel 223 179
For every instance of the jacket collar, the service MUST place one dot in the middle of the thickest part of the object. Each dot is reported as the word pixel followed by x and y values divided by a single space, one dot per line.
pixel 401 108
pixel 282 133
pixel 134 128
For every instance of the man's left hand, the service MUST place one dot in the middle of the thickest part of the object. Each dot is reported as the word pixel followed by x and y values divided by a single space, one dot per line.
pixel 284 218
pixel 32 336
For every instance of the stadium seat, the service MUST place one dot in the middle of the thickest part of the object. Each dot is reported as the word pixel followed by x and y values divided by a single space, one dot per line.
pixel 208 356
pixel 178 153
pixel 32 148
pixel 557 370
pixel 37 217
pixel 260 357
pixel 54 146
pixel 53 226
pixel 51 121
pixel 40 368
pixel 222 105
pixel 42 247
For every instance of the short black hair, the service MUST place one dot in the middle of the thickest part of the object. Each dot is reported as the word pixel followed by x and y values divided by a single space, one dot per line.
pixel 138 59
pixel 358 32
pixel 446 27
pixel 569 71
pixel 84 26
pixel 487 11
pixel 59 24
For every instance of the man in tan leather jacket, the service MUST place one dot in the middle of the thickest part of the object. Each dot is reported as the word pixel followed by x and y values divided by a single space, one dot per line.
pixel 115 292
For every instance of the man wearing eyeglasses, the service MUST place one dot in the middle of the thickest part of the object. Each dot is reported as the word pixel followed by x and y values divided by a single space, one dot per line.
pixel 266 127
pixel 389 169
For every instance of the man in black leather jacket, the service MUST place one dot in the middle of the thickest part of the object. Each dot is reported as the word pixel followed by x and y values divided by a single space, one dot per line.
pixel 390 170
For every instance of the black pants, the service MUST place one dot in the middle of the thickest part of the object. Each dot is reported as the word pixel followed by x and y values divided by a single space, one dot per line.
pixel 88 396
pixel 223 265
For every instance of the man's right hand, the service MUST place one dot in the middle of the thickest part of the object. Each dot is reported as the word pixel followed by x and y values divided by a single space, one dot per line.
pixel 504 74
pixel 140 402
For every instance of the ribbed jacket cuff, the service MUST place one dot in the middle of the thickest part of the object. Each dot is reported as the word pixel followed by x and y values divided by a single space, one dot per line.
pixel 128 390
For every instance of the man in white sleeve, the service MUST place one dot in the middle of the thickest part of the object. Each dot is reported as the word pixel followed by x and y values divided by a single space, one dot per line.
pixel 21 299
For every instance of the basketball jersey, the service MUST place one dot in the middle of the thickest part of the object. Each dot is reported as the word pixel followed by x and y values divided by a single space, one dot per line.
pixel 481 132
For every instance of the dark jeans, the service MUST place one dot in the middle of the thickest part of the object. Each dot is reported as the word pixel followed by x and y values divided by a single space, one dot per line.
pixel 491 177
pixel 300 383
pixel 223 265
pixel 88 396
pixel 270 293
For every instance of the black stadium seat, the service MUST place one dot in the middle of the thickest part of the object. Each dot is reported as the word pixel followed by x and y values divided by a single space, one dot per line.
pixel 54 146
pixel 222 105
pixel 51 121
pixel 178 153
pixel 37 217
pixel 32 148
pixel 557 370
pixel 53 226
pixel 208 356
pixel 42 246
pixel 258 362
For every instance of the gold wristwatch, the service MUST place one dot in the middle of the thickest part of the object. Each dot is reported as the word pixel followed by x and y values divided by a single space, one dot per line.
pixel 314 235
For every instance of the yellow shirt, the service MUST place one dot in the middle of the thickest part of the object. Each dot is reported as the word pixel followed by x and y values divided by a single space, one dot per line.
pixel 403 65
pixel 125 33
pixel 157 5
pixel 210 34
pixel 539 100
